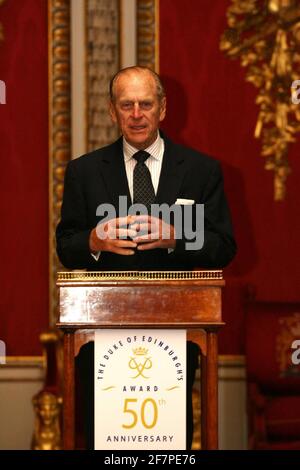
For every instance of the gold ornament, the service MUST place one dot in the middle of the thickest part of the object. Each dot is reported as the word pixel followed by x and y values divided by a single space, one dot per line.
pixel 265 35
pixel 47 434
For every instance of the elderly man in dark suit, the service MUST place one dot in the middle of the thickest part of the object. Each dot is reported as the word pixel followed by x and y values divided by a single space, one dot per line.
pixel 145 167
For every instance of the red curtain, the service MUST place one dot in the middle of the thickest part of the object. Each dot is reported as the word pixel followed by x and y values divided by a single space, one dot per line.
pixel 24 176
pixel 212 108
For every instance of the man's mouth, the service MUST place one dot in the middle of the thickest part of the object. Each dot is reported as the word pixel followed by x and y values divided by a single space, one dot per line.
pixel 137 128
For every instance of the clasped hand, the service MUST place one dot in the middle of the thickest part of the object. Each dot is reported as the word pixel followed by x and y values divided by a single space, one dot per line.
pixel 124 235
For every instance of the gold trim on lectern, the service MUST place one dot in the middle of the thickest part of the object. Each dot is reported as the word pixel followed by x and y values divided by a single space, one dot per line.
pixel 138 275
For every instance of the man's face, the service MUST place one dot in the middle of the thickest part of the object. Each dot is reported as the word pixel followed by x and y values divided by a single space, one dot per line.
pixel 137 109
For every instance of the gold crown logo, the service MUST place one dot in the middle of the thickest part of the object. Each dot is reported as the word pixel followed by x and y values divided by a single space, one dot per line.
pixel 140 351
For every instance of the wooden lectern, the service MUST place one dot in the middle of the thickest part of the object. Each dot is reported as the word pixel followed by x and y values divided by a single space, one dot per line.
pixel 188 300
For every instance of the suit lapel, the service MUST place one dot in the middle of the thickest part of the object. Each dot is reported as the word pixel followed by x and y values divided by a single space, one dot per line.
pixel 113 172
pixel 171 177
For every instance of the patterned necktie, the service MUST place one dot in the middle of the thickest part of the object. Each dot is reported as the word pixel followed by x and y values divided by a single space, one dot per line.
pixel 143 191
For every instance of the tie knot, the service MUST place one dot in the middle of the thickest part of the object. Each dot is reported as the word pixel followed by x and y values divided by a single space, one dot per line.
pixel 141 156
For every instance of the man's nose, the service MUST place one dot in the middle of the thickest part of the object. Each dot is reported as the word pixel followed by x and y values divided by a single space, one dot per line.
pixel 136 111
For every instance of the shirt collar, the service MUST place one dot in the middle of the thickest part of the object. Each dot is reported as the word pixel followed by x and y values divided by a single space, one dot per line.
pixel 154 149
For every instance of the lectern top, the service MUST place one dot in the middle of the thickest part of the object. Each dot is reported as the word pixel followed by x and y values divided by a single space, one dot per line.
pixel 130 298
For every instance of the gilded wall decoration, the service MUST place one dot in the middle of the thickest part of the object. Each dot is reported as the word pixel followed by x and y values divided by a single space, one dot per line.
pixel 265 35
pixel 103 61
pixel 59 128
pixel 148 34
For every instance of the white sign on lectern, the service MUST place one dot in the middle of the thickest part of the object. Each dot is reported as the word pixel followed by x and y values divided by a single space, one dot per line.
pixel 140 389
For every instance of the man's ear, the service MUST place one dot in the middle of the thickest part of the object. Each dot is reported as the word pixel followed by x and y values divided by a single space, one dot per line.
pixel 163 109
pixel 112 112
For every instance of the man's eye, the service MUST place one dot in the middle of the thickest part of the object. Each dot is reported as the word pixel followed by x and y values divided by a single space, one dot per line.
pixel 126 106
pixel 146 105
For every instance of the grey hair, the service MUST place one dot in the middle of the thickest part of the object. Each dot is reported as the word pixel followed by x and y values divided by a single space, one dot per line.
pixel 159 85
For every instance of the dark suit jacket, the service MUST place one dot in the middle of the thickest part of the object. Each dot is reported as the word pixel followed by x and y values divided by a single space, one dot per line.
pixel 100 177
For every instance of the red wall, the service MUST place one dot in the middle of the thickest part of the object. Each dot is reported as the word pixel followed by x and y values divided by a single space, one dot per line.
pixel 24 176
pixel 211 108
